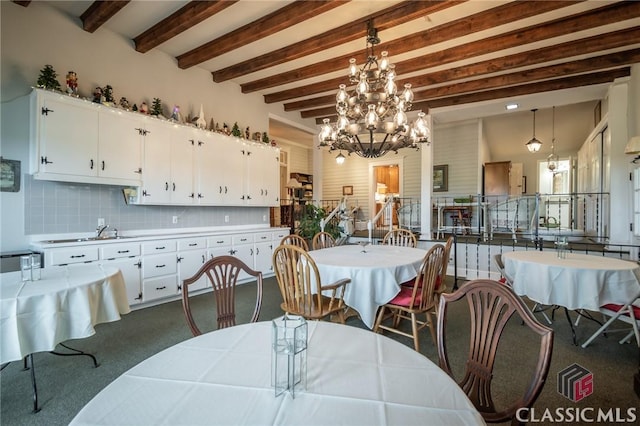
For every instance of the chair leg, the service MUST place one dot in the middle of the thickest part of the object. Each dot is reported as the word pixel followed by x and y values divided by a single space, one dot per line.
pixel 432 329
pixel 414 328
pixel 376 327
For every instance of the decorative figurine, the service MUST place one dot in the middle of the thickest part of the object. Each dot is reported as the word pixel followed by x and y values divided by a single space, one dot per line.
pixel 98 97
pixel 201 123
pixel 156 108
pixel 134 108
pixel 225 129
pixel 107 92
pixel 265 137
pixel 218 129
pixel 235 131
pixel 211 125
pixel 175 114
pixel 72 83
pixel 256 136
pixel 48 78
pixel 124 103
pixel 144 108
pixel 247 133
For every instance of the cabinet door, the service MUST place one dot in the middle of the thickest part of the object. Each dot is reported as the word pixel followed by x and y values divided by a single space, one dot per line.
pixel 67 136
pixel 189 262
pixel 209 166
pixel 262 182
pixel 156 171
pixel 263 257
pixel 183 140
pixel 120 145
pixel 130 268
pixel 233 171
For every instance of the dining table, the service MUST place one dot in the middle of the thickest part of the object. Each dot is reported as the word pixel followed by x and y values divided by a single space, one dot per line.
pixel 354 377
pixel 376 272
pixel 66 303
pixel 574 281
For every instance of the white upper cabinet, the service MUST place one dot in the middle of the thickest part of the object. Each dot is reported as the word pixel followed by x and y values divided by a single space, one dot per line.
pixel 156 170
pixel 262 183
pixel 79 141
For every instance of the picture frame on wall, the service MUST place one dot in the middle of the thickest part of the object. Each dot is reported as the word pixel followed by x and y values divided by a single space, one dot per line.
pixel 347 190
pixel 441 178
pixel 9 175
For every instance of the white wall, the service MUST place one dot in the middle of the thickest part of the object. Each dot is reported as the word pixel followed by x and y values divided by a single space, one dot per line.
pixel 37 35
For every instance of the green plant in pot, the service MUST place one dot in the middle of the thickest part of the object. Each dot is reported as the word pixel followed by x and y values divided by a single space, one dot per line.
pixel 310 223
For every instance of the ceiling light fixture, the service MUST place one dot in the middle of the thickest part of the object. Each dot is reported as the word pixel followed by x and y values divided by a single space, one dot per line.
pixel 510 107
pixel 552 159
pixel 372 120
pixel 534 144
pixel 340 158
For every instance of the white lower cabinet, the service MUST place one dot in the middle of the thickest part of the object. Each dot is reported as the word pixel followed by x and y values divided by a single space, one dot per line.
pixel 159 269
pixel 125 257
pixel 192 254
pixel 263 251
pixel 243 249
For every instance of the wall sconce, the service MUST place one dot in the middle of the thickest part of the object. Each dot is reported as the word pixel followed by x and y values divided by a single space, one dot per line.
pixel 633 148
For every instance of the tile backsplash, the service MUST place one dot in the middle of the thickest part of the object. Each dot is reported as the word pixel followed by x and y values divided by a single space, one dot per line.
pixel 59 207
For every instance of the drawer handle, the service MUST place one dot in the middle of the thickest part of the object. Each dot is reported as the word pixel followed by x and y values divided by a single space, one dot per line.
pixel 243 239
pixel 161 288
pixel 78 257
pixel 219 242
pixel 160 248
pixel 160 266
pixel 193 244
pixel 123 251
pixel 263 238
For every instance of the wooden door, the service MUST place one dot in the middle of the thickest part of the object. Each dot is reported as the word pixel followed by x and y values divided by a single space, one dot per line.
pixel 496 178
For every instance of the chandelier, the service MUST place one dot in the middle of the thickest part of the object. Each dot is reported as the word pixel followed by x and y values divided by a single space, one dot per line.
pixel 534 144
pixel 552 159
pixel 372 119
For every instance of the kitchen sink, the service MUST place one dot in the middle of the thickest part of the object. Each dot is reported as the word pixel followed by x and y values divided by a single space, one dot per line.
pixel 79 240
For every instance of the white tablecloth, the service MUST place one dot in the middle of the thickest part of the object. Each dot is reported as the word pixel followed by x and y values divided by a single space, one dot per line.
pixel 579 281
pixel 223 378
pixel 375 275
pixel 65 304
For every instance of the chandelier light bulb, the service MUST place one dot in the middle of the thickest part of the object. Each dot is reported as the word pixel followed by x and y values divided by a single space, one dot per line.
pixel 342 123
pixel 363 87
pixel 353 68
pixel 384 61
pixel 407 93
pixel 325 132
pixel 342 95
pixel 391 88
pixel 371 119
pixel 400 119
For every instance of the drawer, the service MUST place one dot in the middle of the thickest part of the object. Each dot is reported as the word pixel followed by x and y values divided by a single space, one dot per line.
pixel 219 241
pixel 242 239
pixel 279 235
pixel 158 288
pixel 164 264
pixel 114 251
pixel 262 237
pixel 160 246
pixel 192 244
pixel 72 255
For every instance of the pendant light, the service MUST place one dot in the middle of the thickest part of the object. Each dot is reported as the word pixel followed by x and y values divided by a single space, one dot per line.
pixel 340 158
pixel 552 159
pixel 534 144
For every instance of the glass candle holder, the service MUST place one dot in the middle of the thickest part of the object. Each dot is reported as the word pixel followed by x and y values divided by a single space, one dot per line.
pixel 289 354
pixel 25 267
pixel 35 267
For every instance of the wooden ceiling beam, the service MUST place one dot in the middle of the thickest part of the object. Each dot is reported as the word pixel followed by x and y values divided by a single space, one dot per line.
pixel 463 52
pixel 100 12
pixel 525 89
pixel 23 3
pixel 570 49
pixel 293 13
pixel 383 20
pixel 491 18
pixel 188 16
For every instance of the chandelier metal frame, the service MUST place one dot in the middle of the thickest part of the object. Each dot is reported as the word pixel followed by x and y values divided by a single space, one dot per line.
pixel 372 119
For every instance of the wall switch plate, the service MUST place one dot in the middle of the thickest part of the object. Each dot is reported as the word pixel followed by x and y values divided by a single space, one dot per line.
pixel 264 217
pixel 226 218
pixel 175 219
pixel 100 221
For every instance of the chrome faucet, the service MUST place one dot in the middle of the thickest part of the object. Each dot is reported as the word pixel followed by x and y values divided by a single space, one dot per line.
pixel 100 230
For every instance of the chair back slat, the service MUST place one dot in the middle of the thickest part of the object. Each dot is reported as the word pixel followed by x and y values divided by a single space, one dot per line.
pixel 295 240
pixel 222 273
pixel 323 240
pixel 400 237
pixel 425 284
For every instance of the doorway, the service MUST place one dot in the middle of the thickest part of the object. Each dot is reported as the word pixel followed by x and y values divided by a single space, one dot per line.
pixel 385 180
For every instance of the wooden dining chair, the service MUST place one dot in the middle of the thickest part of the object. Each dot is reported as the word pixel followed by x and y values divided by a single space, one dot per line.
pixel 323 240
pixel 298 279
pixel 296 240
pixel 441 286
pixel 420 298
pixel 400 237
pixel 491 305
pixel 222 273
